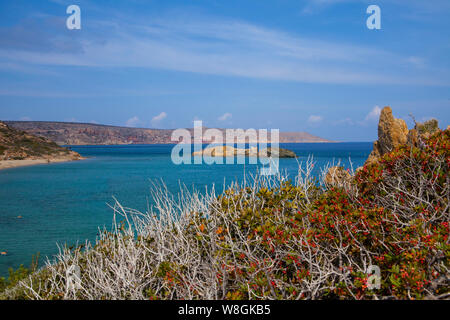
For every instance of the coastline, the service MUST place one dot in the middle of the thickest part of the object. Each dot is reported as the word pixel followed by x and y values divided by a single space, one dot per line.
pixel 9 164
pixel 203 143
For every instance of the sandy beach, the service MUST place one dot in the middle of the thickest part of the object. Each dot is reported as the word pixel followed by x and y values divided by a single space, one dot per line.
pixel 6 164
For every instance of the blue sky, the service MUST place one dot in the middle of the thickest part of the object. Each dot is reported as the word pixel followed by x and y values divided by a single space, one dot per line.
pixel 308 65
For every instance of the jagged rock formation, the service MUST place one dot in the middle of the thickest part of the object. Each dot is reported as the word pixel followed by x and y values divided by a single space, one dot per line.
pixel 392 132
pixel 337 176
pixel 19 145
pixel 277 152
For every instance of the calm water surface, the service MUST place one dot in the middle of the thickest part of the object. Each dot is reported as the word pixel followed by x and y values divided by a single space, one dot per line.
pixel 68 202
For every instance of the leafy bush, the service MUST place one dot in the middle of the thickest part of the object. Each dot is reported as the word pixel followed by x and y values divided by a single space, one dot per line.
pixel 276 239
pixel 411 181
pixel 430 126
pixel 15 276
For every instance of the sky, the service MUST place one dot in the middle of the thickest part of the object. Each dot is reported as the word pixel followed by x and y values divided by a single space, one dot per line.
pixel 309 65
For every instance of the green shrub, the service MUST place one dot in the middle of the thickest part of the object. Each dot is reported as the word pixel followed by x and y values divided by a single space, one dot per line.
pixel 20 274
pixel 277 240
pixel 430 126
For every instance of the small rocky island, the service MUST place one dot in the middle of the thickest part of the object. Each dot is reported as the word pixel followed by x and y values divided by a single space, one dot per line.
pixel 228 151
pixel 18 148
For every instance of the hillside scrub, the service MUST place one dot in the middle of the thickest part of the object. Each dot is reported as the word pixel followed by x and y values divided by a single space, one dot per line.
pixel 275 239
pixel 19 145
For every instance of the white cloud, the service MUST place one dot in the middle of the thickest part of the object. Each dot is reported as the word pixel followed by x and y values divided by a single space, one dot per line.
pixel 197 118
pixel 371 117
pixel 374 114
pixel 314 119
pixel 225 116
pixel 346 121
pixel 423 7
pixel 313 6
pixel 416 61
pixel 157 119
pixel 226 47
pixel 133 122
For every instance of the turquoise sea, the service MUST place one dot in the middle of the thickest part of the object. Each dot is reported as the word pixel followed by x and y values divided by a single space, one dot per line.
pixel 67 202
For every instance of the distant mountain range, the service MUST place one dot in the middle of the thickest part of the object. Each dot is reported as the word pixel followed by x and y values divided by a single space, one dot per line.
pixel 69 133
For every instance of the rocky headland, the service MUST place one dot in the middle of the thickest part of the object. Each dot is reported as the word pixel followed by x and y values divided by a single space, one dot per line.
pixel 19 148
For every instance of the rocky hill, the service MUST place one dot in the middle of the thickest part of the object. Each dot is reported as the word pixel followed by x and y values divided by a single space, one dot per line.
pixel 393 132
pixel 20 145
pixel 65 133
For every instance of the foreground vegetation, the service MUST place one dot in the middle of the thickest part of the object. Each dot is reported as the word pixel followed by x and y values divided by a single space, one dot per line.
pixel 275 239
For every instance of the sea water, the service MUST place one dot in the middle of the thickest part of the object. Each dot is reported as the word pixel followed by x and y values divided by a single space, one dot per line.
pixel 66 203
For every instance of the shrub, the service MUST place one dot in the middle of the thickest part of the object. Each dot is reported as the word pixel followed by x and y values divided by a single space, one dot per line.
pixel 411 181
pixel 16 276
pixel 276 239
pixel 430 126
